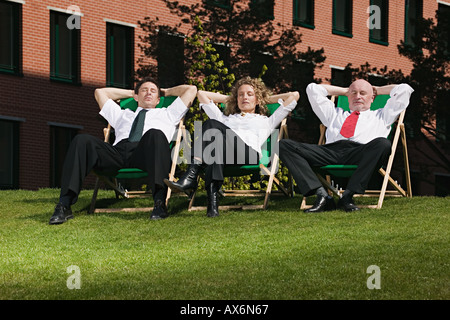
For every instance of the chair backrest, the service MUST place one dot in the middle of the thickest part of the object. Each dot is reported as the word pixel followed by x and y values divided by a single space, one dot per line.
pixel 378 103
pixel 266 152
pixel 131 104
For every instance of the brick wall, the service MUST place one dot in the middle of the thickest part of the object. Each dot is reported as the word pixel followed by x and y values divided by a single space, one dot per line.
pixel 40 101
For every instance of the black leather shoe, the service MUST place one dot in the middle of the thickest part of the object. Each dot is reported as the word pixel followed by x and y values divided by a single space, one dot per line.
pixel 347 204
pixel 212 210
pixel 159 211
pixel 188 183
pixel 61 214
pixel 322 204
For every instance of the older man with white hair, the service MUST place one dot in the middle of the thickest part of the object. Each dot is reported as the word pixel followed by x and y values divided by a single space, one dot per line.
pixel 356 137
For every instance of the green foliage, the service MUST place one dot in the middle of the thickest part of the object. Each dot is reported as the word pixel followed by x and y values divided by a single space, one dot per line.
pixel 207 71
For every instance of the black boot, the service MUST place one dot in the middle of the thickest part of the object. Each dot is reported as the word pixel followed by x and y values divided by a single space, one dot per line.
pixel 213 199
pixel 188 183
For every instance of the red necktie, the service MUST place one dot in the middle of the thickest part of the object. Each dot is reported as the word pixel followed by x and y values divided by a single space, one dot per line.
pixel 348 128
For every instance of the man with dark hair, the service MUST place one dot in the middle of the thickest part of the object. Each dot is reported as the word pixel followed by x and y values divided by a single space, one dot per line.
pixel 142 141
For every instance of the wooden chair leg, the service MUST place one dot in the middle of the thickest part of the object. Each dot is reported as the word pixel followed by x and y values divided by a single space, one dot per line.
pixel 94 196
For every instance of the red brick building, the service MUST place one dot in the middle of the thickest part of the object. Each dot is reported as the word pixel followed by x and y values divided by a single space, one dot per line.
pixel 54 53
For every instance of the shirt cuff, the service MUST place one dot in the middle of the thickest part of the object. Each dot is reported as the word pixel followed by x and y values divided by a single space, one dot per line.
pixel 290 106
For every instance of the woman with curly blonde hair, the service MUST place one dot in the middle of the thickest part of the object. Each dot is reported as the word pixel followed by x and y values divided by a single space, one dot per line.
pixel 262 94
pixel 235 135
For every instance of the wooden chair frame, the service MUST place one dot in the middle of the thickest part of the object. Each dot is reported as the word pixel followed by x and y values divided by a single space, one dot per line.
pixel 398 134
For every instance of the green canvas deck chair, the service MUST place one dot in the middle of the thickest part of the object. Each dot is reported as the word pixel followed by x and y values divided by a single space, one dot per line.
pixel 269 166
pixel 135 173
pixel 345 171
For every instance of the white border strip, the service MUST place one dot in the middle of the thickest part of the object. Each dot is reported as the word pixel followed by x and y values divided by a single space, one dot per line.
pixel 443 2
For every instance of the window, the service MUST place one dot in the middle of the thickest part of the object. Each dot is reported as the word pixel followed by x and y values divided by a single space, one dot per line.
pixel 60 139
pixel 377 80
pixel 64 49
pixel 379 22
pixel 342 17
pixel 262 8
pixel 258 61
pixel 442 185
pixel 119 56
pixel 9 157
pixel 341 77
pixel 304 13
pixel 444 24
pixel 443 117
pixel 224 53
pixel 413 13
pixel 302 75
pixel 10 37
pixel 170 60
pixel 220 3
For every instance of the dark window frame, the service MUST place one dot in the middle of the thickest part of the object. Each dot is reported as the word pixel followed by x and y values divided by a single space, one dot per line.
pixel 74 50
pixel 225 4
pixel 56 157
pixel 309 21
pixel 14 67
pixel 412 21
pixel 127 81
pixel 258 8
pixel 14 156
pixel 383 37
pixel 170 63
pixel 349 21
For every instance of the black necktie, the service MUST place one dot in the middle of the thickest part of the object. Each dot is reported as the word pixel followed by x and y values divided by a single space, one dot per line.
pixel 137 127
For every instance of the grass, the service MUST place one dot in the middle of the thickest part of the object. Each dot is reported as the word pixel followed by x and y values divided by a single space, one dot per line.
pixel 277 254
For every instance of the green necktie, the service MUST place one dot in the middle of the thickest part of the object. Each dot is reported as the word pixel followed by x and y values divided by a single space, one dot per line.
pixel 137 127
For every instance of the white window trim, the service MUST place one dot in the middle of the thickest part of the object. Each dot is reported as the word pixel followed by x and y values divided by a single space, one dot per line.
pixel 337 67
pixel 132 25
pixel 65 11
pixel 443 2
pixel 17 1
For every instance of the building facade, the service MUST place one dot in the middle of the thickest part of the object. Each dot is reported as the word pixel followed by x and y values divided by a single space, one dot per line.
pixel 54 53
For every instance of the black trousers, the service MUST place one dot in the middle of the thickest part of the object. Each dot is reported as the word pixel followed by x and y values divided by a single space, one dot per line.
pixel 86 153
pixel 300 158
pixel 222 147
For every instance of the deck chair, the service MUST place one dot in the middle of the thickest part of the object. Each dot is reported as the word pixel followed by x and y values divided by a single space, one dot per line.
pixel 267 165
pixel 345 171
pixel 112 180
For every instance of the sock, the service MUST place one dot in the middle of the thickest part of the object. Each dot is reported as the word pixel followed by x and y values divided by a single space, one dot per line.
pixel 66 200
pixel 322 192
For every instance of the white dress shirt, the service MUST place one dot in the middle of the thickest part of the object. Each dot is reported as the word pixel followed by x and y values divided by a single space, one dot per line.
pixel 164 119
pixel 370 125
pixel 252 128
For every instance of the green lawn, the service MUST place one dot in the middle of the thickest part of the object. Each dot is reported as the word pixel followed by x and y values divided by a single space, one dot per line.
pixel 280 253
